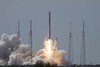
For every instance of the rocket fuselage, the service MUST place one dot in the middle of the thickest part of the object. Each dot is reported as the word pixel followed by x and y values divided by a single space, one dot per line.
pixel 49 25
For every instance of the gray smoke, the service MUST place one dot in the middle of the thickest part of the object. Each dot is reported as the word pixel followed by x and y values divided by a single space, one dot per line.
pixel 11 53
pixel 21 55
pixel 7 44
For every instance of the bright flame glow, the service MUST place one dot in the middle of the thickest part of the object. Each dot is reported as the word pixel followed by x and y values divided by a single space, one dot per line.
pixel 50 53
pixel 49 47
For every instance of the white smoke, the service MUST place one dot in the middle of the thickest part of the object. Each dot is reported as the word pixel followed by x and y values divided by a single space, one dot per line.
pixel 21 55
pixel 7 45
pixel 56 57
pixel 11 53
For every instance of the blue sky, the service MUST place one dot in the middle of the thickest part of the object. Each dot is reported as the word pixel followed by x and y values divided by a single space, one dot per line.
pixel 62 12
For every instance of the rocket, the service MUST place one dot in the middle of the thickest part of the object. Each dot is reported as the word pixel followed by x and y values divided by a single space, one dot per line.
pixel 49 25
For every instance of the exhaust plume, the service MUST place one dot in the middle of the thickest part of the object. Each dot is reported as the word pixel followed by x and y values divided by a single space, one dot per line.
pixel 12 53
pixel 7 44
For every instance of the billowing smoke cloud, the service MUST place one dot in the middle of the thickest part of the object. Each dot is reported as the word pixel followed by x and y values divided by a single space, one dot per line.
pixel 7 45
pixel 50 54
pixel 11 53
pixel 21 55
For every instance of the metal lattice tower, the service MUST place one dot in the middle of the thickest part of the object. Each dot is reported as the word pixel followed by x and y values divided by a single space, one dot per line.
pixel 83 52
pixel 30 38
pixel 18 33
pixel 70 55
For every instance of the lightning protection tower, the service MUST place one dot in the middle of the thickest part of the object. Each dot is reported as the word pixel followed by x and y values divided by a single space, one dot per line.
pixel 18 32
pixel 30 38
pixel 83 52
pixel 70 55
